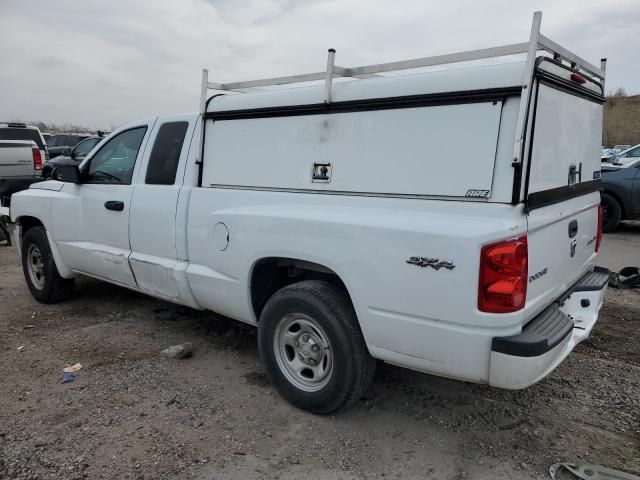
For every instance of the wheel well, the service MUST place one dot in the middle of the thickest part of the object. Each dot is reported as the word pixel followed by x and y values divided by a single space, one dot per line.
pixel 271 274
pixel 28 222
pixel 623 214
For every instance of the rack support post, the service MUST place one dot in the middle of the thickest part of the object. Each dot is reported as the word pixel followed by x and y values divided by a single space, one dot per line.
pixel 603 67
pixel 203 91
pixel 329 78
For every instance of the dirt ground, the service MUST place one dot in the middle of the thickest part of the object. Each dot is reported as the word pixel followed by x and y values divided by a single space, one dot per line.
pixel 132 413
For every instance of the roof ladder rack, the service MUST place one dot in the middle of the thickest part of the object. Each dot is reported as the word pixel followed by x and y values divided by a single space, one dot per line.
pixel 537 42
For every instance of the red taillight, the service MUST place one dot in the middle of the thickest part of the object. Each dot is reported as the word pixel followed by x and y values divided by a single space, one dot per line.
pixel 502 286
pixel 37 159
pixel 599 234
pixel 578 78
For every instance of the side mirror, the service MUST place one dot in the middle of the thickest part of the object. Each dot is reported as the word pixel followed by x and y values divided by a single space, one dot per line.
pixel 66 173
pixel 67 152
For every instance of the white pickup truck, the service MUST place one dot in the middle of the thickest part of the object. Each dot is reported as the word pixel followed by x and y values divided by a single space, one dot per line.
pixel 20 166
pixel 338 220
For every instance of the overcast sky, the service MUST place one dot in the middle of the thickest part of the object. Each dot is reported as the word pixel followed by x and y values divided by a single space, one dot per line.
pixel 106 62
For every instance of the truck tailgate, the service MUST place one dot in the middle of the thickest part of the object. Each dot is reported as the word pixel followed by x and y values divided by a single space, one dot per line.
pixel 561 240
pixel 16 158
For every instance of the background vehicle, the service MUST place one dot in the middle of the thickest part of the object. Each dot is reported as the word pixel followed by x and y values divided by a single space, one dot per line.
pixel 21 131
pixel 61 141
pixel 71 156
pixel 20 165
pixel 621 189
pixel 626 156
pixel 325 216
pixel 621 148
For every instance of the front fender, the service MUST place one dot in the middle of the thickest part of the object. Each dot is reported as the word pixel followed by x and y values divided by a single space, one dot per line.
pixel 33 206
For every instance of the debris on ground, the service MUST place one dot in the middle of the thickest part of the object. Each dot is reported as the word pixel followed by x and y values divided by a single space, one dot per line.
pixel 589 472
pixel 72 368
pixel 628 277
pixel 68 377
pixel 5 220
pixel 20 348
pixel 178 351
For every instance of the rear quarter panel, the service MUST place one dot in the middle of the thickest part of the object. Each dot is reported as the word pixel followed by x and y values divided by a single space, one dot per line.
pixel 406 312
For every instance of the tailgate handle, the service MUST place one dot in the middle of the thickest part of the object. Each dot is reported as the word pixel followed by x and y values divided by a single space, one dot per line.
pixel 575 174
pixel 573 228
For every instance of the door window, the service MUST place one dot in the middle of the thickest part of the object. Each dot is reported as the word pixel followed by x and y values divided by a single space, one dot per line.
pixel 163 162
pixel 115 161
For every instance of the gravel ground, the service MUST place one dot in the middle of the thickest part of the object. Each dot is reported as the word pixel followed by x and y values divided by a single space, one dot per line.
pixel 133 413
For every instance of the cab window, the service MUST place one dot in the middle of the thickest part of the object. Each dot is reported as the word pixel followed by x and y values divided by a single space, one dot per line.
pixel 164 158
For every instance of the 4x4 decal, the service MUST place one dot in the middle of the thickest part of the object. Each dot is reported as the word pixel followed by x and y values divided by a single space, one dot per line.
pixel 434 263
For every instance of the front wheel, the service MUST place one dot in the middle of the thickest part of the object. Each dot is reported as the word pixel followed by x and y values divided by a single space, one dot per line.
pixel 312 348
pixel 40 272
pixel 611 212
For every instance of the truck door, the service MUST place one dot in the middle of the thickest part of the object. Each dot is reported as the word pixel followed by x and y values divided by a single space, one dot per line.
pixel 91 222
pixel 632 174
pixel 152 224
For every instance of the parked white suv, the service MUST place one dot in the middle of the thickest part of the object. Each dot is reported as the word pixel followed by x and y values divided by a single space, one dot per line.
pixel 337 219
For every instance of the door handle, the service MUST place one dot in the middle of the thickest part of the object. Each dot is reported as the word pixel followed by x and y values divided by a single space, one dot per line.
pixel 573 228
pixel 114 205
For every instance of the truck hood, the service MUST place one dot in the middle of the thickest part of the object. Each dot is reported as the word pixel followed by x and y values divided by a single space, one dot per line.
pixel 54 185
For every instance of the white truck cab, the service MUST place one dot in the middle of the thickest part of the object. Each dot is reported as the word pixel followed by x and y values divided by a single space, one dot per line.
pixel 337 219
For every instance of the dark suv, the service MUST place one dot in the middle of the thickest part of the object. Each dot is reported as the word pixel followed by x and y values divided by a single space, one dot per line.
pixel 71 156
pixel 58 143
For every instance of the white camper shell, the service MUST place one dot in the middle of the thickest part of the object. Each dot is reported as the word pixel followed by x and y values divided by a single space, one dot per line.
pixel 443 221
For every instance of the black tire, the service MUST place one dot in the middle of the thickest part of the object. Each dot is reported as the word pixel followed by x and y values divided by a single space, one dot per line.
pixel 52 288
pixel 611 212
pixel 330 308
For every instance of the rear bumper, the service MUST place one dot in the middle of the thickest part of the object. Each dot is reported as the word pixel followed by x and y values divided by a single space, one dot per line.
pixel 522 360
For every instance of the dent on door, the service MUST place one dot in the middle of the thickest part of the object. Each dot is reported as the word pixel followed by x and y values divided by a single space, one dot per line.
pixel 156 276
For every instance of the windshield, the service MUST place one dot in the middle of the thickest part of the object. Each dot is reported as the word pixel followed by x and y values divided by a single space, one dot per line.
pixel 628 156
pixel 84 147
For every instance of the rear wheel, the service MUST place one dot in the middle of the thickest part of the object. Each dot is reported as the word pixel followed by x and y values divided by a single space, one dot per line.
pixel 611 212
pixel 40 272
pixel 312 347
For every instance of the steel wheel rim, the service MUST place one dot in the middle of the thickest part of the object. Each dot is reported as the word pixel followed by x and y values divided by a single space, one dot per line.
pixel 35 267
pixel 303 352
